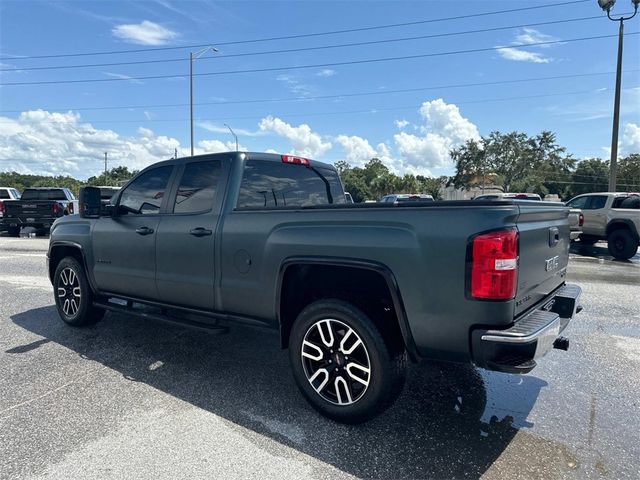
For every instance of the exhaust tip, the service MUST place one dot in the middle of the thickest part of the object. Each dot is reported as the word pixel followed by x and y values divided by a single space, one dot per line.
pixel 561 343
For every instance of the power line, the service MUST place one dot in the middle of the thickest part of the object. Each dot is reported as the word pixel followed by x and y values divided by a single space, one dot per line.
pixel 303 35
pixel 303 49
pixel 339 95
pixel 318 65
pixel 371 110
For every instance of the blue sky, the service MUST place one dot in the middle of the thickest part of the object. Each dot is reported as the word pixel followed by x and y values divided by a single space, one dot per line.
pixel 411 130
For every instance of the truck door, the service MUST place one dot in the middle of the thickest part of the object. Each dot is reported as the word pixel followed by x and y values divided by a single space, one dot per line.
pixel 186 241
pixel 595 215
pixel 124 246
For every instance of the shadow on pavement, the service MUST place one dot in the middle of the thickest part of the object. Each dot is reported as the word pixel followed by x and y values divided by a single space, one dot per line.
pixel 599 250
pixel 434 430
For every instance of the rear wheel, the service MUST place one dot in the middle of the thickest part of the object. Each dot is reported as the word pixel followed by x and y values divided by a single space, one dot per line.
pixel 342 364
pixel 42 232
pixel 74 298
pixel 14 231
pixel 622 244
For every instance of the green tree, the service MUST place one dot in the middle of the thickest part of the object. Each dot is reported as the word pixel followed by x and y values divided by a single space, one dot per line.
pixel 591 175
pixel 113 177
pixel 471 163
pixel 629 173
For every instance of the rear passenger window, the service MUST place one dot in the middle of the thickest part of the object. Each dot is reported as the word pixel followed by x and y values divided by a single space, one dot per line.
pixel 144 195
pixel 275 184
pixel 596 202
pixel 197 188
pixel 4 194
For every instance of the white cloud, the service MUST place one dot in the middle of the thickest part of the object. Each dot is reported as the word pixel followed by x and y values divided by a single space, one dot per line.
pixel 400 124
pixel 41 142
pixel 241 132
pixel 531 35
pixel 124 77
pixel 359 151
pixel 528 36
pixel 296 86
pixel 216 146
pixel 630 139
pixel 518 55
pixel 303 140
pixel 326 72
pixel 445 128
pixel 144 33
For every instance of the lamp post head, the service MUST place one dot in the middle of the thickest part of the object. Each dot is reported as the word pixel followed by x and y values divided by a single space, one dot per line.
pixel 607 5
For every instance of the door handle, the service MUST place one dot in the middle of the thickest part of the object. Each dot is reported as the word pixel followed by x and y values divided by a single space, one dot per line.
pixel 144 231
pixel 200 232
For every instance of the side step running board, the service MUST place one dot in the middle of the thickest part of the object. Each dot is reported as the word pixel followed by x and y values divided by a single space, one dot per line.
pixel 162 317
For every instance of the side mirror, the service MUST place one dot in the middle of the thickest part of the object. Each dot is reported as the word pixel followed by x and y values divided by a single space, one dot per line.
pixel 89 202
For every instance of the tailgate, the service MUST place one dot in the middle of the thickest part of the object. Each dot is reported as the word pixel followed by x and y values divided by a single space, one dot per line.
pixel 30 209
pixel 543 251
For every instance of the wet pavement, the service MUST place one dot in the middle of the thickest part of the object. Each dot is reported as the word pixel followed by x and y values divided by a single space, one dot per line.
pixel 131 398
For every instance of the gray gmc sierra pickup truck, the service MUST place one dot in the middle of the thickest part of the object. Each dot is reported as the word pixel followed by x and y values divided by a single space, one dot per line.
pixel 354 289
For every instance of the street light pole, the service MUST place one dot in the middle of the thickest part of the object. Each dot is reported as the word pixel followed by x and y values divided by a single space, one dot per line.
pixel 234 134
pixel 191 97
pixel 613 166
pixel 607 5
pixel 192 57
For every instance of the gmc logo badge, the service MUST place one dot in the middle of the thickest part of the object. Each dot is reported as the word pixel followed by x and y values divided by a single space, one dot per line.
pixel 552 263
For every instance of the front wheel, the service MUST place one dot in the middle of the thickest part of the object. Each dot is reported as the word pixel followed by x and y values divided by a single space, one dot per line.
pixel 622 244
pixel 342 364
pixel 74 298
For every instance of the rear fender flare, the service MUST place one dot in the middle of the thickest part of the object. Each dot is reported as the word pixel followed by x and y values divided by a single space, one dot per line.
pixel 379 268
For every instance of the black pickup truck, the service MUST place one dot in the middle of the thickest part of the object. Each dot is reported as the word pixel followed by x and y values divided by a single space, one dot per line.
pixel 38 208
pixel 353 289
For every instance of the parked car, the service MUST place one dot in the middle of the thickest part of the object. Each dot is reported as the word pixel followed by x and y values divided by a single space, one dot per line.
pixel 352 289
pixel 614 217
pixel 7 194
pixel 406 197
pixel 38 208
pixel 507 196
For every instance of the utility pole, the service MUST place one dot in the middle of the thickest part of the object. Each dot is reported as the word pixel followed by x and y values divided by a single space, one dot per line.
pixel 105 165
pixel 607 5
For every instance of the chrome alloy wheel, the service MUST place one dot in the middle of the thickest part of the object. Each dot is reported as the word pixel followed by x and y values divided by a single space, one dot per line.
pixel 336 362
pixel 69 292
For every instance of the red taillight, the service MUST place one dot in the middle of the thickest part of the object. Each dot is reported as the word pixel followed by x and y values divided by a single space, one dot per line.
pixel 70 208
pixel 55 207
pixel 494 265
pixel 294 160
pixel 581 220
pixel 1 207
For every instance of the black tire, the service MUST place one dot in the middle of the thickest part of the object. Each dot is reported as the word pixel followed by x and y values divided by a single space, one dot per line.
pixel 387 369
pixel 14 231
pixel 622 244
pixel 588 240
pixel 42 232
pixel 73 295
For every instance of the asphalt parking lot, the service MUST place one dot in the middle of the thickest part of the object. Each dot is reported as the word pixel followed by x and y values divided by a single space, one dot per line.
pixel 128 398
